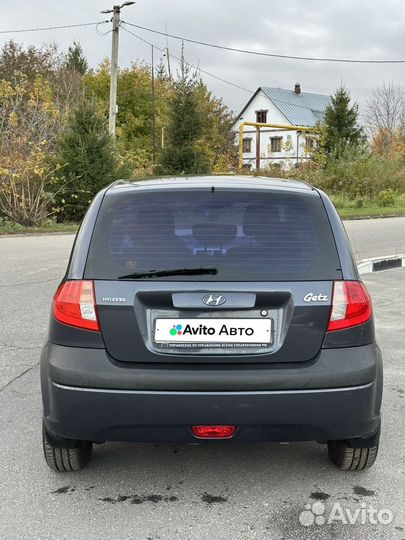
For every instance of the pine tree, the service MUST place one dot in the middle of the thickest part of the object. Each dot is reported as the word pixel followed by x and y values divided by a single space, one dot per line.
pixel 160 71
pixel 182 153
pixel 341 129
pixel 75 60
pixel 86 154
pixel 217 138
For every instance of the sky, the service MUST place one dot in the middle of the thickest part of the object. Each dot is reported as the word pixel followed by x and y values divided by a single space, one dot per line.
pixel 358 29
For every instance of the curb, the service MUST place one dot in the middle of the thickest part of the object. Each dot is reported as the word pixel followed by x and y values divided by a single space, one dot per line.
pixel 377 264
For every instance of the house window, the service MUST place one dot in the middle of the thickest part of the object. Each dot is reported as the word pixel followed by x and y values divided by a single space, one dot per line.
pixel 247 145
pixel 275 143
pixel 309 144
pixel 261 117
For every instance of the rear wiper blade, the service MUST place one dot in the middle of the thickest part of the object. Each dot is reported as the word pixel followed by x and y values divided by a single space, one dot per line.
pixel 175 272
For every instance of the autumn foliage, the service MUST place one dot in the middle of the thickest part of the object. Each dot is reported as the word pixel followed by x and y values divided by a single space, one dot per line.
pixel 55 149
pixel 56 152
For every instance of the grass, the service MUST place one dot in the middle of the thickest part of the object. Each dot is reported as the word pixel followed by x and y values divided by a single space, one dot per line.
pixel 7 227
pixel 371 212
pixel 364 208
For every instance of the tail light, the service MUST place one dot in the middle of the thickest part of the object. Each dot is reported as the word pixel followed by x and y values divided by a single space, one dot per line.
pixel 74 305
pixel 351 305
pixel 213 432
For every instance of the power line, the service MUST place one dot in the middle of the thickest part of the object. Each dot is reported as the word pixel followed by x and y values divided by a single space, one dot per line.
pixel 102 34
pixel 271 55
pixel 213 45
pixel 206 72
pixel 21 30
pixel 188 63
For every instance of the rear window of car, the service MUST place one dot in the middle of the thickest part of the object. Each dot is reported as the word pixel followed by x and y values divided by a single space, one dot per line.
pixel 243 235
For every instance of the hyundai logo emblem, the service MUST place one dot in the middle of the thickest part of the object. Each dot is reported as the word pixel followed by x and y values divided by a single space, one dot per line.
pixel 214 299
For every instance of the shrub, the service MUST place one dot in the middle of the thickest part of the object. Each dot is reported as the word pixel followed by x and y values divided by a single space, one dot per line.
pixel 24 191
pixel 362 175
pixel 359 202
pixel 386 198
pixel 356 179
pixel 29 127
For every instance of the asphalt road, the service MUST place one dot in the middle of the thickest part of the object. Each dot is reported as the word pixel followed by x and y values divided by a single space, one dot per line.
pixel 165 492
pixel 376 237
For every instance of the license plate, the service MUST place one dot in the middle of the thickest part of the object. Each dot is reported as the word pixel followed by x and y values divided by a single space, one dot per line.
pixel 221 331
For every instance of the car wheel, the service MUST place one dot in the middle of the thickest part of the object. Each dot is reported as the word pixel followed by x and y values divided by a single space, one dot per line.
pixel 66 459
pixel 347 458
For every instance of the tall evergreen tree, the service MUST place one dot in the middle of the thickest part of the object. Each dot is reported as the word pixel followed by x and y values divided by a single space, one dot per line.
pixel 182 153
pixel 160 71
pixel 87 157
pixel 341 129
pixel 217 138
pixel 75 59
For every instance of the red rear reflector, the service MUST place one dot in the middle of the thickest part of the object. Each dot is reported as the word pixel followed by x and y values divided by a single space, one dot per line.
pixel 351 305
pixel 74 305
pixel 213 432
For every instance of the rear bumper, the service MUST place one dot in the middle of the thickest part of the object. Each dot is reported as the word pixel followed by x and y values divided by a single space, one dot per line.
pixel 99 415
pixel 86 411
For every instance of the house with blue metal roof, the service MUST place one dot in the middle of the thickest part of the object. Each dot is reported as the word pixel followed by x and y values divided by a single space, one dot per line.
pixel 281 107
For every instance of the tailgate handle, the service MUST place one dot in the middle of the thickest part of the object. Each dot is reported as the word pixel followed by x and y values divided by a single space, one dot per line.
pixel 214 300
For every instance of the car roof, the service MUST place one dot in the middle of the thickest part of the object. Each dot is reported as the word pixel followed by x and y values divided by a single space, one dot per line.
pixel 198 182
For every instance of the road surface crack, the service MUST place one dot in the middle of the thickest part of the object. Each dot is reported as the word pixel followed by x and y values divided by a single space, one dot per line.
pixel 18 347
pixel 19 376
pixel 29 282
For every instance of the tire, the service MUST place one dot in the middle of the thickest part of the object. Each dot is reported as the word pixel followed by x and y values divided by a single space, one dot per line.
pixel 66 459
pixel 347 458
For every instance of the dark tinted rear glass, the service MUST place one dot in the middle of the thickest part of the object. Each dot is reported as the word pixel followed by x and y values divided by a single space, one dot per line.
pixel 245 235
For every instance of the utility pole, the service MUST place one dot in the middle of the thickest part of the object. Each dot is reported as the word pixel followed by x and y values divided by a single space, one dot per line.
pixel 116 10
pixel 153 112
pixel 167 53
pixel 168 63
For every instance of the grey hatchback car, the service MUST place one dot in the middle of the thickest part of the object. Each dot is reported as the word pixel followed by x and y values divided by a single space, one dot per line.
pixel 211 308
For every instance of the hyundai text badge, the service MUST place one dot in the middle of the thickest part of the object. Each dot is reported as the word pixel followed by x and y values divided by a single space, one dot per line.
pixel 214 300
